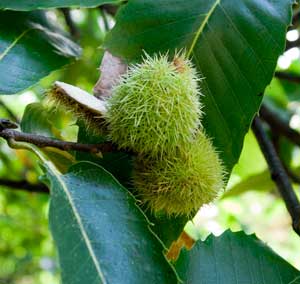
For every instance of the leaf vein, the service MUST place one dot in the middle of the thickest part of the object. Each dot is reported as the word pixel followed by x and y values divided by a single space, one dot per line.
pixel 229 137
pixel 81 227
pixel 234 63
pixel 13 44
pixel 259 61
pixel 227 82
pixel 202 26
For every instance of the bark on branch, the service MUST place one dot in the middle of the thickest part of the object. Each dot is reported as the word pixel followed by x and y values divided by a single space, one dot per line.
pixel 279 125
pixel 278 174
pixel 42 141
pixel 24 185
pixel 287 76
pixel 74 31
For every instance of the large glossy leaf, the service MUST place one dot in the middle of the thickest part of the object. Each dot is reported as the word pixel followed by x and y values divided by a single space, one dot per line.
pixel 102 236
pixel 234 258
pixel 30 48
pixel 26 5
pixel 120 165
pixel 233 44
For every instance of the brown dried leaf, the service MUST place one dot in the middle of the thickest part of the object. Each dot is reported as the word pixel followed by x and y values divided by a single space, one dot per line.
pixel 184 240
pixel 111 69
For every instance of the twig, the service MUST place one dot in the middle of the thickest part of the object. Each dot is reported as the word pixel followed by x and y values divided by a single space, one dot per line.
pixel 105 20
pixel 287 76
pixel 70 23
pixel 278 173
pixel 109 9
pixel 292 44
pixel 296 19
pixel 275 140
pixel 279 125
pixel 42 141
pixel 24 185
pixel 295 24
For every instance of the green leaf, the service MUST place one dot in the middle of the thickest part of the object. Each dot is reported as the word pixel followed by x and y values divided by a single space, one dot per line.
pixel 234 258
pixel 102 236
pixel 257 182
pixel 233 44
pixel 261 181
pixel 38 120
pixel 27 5
pixel 30 48
pixel 120 165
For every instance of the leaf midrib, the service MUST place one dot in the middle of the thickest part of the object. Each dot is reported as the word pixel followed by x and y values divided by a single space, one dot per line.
pixel 13 44
pixel 52 169
pixel 202 26
pixel 80 224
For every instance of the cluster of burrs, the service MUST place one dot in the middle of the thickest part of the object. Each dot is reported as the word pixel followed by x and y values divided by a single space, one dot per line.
pixel 155 112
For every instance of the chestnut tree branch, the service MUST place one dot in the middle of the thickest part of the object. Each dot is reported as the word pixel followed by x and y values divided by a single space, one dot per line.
pixel 287 76
pixel 105 19
pixel 8 132
pixel 109 9
pixel 74 31
pixel 42 141
pixel 295 25
pixel 279 125
pixel 296 19
pixel 278 173
pixel 24 185
pixel 275 138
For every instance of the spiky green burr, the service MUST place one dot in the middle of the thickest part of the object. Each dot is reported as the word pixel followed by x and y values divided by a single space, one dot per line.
pixel 182 184
pixel 155 108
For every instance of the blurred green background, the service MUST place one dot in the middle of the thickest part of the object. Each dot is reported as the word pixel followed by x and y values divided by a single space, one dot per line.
pixel 251 202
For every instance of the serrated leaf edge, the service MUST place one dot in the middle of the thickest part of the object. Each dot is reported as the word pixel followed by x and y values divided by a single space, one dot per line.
pixel 51 169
